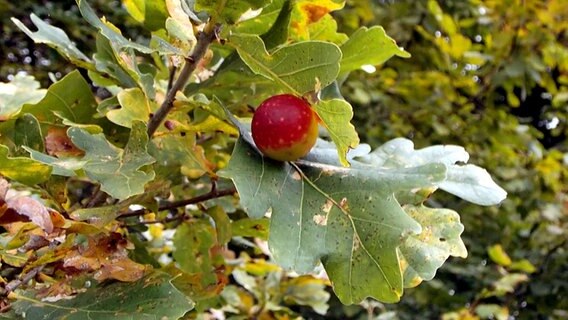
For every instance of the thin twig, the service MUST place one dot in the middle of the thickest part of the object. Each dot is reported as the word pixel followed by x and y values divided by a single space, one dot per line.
pixel 97 197
pixel 14 284
pixel 171 79
pixel 166 220
pixel 204 38
pixel 214 193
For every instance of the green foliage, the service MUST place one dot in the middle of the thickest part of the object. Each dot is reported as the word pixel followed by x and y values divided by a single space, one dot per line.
pixel 142 159
pixel 117 171
pixel 151 298
pixel 481 76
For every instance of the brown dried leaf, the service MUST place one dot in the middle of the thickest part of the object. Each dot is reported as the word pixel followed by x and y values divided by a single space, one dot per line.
pixel 4 187
pixel 9 215
pixel 32 209
pixel 58 144
pixel 57 218
pixel 107 255
pixel 18 208
pixel 122 269
pixel 191 284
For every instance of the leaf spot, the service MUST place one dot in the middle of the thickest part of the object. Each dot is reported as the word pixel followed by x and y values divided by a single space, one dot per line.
pixel 320 219
pixel 296 176
pixel 327 206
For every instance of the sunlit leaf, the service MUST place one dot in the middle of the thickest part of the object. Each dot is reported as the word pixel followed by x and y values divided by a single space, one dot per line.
pixel 70 98
pixel 336 115
pixel 473 184
pixel 134 106
pixel 179 26
pixel 307 12
pixel 250 228
pixel 369 46
pixel 440 238
pixel 108 30
pixel 56 38
pixel 19 91
pixel 498 255
pixel 326 30
pixel 152 13
pixel 230 10
pixel 298 67
pixel 21 169
pixel 308 291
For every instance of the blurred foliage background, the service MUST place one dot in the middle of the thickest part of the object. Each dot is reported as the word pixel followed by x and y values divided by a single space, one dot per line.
pixel 491 76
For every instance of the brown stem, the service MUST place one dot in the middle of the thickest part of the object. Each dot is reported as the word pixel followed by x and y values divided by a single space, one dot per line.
pixel 171 79
pixel 204 38
pixel 14 284
pixel 97 198
pixel 214 193
pixel 166 220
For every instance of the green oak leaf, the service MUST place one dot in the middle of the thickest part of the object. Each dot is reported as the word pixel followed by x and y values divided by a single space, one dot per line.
pixel 298 67
pixel 349 219
pixel 369 46
pixel 98 216
pixel 336 115
pixel 70 98
pixel 27 133
pixel 250 228
pixel 197 256
pixel 426 252
pixel 152 297
pixel 222 224
pixel 107 62
pixel 177 154
pixel 21 169
pixel 117 170
pixel 102 216
pixel 19 91
pixel 122 67
pixel 263 22
pixel 134 106
pixel 55 38
pixel 229 10
pixel 61 166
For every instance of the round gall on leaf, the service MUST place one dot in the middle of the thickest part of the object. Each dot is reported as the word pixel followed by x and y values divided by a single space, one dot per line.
pixel 284 127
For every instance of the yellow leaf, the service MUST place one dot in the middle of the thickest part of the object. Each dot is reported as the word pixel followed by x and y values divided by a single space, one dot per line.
pixel 498 255
pixel 306 12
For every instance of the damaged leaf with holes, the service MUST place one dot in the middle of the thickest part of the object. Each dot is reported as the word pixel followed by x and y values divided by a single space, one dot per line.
pixel 350 219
